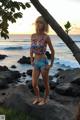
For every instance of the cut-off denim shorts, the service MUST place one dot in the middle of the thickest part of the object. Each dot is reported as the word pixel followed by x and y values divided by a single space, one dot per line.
pixel 40 64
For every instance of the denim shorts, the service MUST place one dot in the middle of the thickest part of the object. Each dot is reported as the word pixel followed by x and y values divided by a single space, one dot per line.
pixel 40 64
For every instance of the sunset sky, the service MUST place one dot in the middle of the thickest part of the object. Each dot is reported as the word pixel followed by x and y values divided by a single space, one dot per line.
pixel 61 10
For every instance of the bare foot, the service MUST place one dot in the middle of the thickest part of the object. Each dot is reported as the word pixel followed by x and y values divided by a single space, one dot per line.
pixel 43 101
pixel 36 100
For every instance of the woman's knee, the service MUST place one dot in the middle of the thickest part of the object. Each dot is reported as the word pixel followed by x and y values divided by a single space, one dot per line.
pixel 35 87
pixel 34 84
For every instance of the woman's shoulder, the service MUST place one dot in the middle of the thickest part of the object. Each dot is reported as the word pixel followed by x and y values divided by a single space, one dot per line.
pixel 47 37
pixel 34 34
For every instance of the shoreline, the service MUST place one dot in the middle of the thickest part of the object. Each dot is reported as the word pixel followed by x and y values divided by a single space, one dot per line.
pixel 22 68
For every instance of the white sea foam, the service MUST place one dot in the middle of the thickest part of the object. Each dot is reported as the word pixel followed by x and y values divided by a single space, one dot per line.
pixel 14 47
pixel 21 45
pixel 67 63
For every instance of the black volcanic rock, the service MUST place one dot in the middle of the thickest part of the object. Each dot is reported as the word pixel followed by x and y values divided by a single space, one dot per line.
pixel 24 60
pixel 7 76
pixel 48 55
pixel 3 68
pixel 2 56
pixel 29 72
pixel 13 66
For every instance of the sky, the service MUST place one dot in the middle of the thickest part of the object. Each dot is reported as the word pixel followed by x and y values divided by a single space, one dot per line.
pixel 61 10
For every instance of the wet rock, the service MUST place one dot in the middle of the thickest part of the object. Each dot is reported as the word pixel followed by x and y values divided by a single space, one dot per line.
pixel 76 80
pixel 60 69
pixel 24 60
pixel 68 89
pixel 68 101
pixel 2 56
pixel 63 98
pixel 23 74
pixel 29 84
pixel 20 98
pixel 51 77
pixel 3 84
pixel 52 85
pixel 29 72
pixel 68 75
pixel 15 74
pixel 13 66
pixel 3 68
pixel 48 55
pixel 7 77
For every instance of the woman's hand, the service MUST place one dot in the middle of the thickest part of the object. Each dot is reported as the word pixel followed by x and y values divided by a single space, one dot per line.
pixel 32 61
pixel 48 67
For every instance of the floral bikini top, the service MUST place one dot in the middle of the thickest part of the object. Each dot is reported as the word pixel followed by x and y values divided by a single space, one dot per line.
pixel 38 44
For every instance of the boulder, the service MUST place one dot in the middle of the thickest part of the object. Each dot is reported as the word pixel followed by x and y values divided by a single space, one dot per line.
pixel 52 84
pixel 29 72
pixel 68 89
pixel 13 66
pixel 20 98
pixel 8 76
pixel 63 98
pixel 23 74
pixel 76 80
pixel 69 101
pixel 3 84
pixel 24 60
pixel 48 55
pixel 67 76
pixel 2 56
pixel 3 68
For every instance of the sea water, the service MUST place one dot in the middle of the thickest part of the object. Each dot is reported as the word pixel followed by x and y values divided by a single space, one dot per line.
pixel 19 45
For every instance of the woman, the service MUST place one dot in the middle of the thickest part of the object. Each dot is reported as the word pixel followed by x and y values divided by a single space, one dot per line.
pixel 39 42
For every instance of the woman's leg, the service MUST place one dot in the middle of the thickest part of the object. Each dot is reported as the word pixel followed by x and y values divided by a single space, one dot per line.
pixel 45 77
pixel 35 76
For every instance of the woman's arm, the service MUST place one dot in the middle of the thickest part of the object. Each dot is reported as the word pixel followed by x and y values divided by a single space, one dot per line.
pixel 31 51
pixel 51 49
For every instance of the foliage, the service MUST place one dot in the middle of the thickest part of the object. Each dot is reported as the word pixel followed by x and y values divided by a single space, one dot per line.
pixel 11 114
pixel 67 27
pixel 9 12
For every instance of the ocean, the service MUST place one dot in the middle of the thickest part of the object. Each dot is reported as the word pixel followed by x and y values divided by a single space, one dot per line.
pixel 19 45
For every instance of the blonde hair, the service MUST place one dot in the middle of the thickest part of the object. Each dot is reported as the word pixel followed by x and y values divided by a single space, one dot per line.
pixel 45 24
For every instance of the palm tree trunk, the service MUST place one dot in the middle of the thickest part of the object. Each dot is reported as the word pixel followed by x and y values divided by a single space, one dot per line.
pixel 58 29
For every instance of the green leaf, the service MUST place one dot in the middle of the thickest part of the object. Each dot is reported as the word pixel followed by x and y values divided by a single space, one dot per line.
pixel 13 20
pixel 8 4
pixel 22 5
pixel 6 31
pixel 67 25
pixel 8 13
pixel 13 9
pixel 16 5
pixel 4 24
pixel 3 34
pixel 28 5
pixel 18 15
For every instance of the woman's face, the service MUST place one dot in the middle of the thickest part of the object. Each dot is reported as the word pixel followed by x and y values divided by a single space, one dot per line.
pixel 39 26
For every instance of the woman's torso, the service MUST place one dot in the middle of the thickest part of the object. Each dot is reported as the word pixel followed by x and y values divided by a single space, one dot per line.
pixel 39 45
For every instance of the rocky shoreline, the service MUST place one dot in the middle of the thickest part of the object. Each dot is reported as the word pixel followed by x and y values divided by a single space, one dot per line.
pixel 64 94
